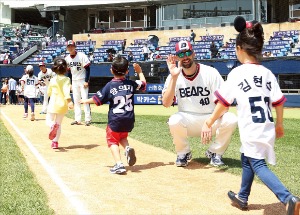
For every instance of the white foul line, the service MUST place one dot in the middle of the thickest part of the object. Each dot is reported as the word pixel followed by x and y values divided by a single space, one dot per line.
pixel 79 207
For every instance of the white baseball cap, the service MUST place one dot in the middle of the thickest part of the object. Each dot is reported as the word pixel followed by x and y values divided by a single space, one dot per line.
pixel 29 68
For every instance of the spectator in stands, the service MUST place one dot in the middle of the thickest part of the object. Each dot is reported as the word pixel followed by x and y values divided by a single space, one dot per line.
pixel 48 39
pixel 27 28
pixel 44 43
pixel 89 39
pixel 63 39
pixel 102 27
pixel 110 57
pixel 91 57
pixel 213 50
pixel 2 55
pixel 194 84
pixel 130 56
pixel 269 54
pixel 79 66
pixel 226 45
pixel 7 58
pixel 12 87
pixel 145 52
pixel 292 45
pixel 193 36
pixel 123 46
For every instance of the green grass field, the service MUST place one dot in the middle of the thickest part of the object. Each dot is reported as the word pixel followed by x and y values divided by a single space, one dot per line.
pixel 19 190
pixel 151 128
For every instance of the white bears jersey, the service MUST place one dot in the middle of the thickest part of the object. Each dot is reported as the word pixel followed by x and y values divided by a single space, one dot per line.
pixel 77 65
pixel 30 84
pixel 256 90
pixel 196 95
pixel 46 76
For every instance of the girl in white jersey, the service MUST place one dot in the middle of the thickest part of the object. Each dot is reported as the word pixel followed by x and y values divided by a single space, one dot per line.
pixel 256 90
pixel 28 84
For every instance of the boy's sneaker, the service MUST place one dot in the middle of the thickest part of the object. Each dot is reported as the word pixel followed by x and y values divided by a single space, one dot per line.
pixel 87 123
pixel 32 118
pixel 118 169
pixel 130 155
pixel 216 160
pixel 293 206
pixel 25 115
pixel 53 131
pixel 42 112
pixel 240 203
pixel 54 145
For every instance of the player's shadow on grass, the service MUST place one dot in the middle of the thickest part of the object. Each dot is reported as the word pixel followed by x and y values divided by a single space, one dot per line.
pixel 65 149
pixel 151 165
pixel 98 123
pixel 269 209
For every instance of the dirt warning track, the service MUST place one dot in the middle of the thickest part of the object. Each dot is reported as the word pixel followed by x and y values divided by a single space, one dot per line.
pixel 78 181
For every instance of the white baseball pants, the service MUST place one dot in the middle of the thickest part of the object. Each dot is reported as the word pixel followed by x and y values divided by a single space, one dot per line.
pixel 183 125
pixel 79 92
pixel 46 100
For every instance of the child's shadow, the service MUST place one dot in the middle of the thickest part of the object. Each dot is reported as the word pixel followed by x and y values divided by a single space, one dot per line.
pixel 269 209
pixel 65 149
pixel 151 165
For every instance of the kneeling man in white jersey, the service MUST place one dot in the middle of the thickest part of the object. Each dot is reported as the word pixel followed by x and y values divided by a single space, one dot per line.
pixel 193 85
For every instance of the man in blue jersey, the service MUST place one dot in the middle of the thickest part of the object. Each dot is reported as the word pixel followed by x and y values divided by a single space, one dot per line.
pixel 119 93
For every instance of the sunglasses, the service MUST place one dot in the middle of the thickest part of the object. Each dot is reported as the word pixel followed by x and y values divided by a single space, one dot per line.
pixel 187 53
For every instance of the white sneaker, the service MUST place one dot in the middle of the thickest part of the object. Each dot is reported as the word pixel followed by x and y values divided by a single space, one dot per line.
pixel 117 169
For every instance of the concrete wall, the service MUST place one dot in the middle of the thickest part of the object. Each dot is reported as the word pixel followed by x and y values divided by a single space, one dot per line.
pixel 164 35
pixel 5 12
pixel 75 22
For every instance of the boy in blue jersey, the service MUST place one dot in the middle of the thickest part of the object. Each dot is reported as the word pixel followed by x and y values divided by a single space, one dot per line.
pixel 119 93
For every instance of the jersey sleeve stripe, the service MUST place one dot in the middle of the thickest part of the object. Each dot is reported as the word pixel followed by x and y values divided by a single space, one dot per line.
pixel 96 100
pixel 221 99
pixel 144 86
pixel 87 65
pixel 281 101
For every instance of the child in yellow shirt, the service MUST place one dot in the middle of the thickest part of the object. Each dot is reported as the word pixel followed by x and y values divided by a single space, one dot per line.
pixel 60 100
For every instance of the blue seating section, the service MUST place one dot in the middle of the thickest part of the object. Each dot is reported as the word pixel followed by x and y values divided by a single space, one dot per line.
pixel 278 45
pixel 56 49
